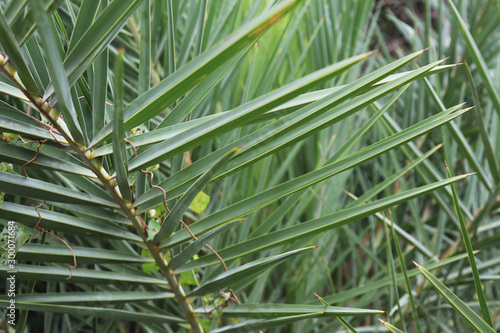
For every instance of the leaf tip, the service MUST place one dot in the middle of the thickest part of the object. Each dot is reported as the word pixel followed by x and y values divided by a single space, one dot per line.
pixel 443 60
pixel 415 263
pixel 382 321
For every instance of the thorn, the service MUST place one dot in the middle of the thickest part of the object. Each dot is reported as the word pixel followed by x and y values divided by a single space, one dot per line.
pixel 445 164
pixel 382 321
pixel 413 261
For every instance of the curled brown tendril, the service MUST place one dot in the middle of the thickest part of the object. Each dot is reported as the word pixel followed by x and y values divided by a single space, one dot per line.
pixel 40 230
pixel 40 143
pixel 145 225
pixel 133 146
pixel 157 187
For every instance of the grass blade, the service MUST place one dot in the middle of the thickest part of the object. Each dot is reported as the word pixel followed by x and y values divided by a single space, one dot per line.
pixel 271 195
pixel 17 155
pixel 314 227
pixel 96 38
pixel 488 149
pixel 93 297
pixel 65 223
pixel 166 92
pixel 391 328
pixel 282 310
pixel 86 15
pixel 12 50
pixel 33 188
pixel 461 141
pixel 246 271
pixel 85 255
pixel 99 312
pixel 392 269
pixel 469 316
pixel 470 253
pixel 14 121
pixel 80 275
pixel 409 290
pixel 255 325
pixel 476 55
pixel 347 325
pixel 57 73
pixel 99 86
pixel 248 111
pixel 120 159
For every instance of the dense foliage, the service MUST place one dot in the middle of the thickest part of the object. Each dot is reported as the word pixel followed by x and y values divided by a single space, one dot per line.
pixel 233 166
